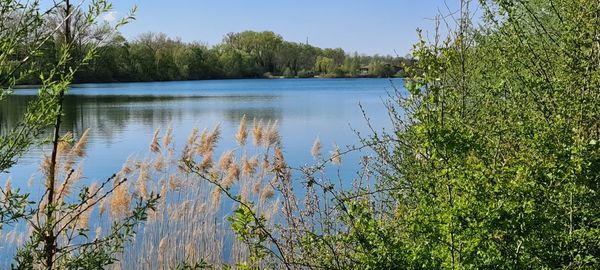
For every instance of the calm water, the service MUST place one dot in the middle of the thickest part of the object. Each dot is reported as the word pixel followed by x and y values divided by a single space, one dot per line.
pixel 123 116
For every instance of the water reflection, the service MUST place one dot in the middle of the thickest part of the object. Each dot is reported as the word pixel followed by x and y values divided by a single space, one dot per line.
pixel 123 117
pixel 109 115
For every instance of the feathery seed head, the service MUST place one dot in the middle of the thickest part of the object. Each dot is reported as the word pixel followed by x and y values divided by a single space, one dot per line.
pixel 271 136
pixel 249 165
pixel 267 192
pixel 242 134
pixel 142 179
pixel 79 148
pixel 257 132
pixel 225 160
pixel 336 156
pixel 8 187
pixel 154 145
pixel 119 202
pixel 168 137
pixel 279 160
pixel 215 198
pixel 315 151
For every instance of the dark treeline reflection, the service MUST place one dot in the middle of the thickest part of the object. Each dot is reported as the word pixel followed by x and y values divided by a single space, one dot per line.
pixel 107 115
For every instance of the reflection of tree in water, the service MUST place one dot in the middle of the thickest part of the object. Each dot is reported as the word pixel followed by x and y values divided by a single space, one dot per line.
pixel 235 114
pixel 109 115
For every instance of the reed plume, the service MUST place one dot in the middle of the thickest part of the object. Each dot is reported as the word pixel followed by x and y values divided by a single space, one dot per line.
pixel 159 164
pixel 242 134
pixel 8 187
pixel 98 232
pixel 279 160
pixel 119 202
pixel 30 180
pixel 46 168
pixel 271 136
pixel 168 138
pixel 188 149
pixel 267 193
pixel 208 141
pixel 154 145
pixel 225 160
pixel 142 179
pixel 71 178
pixel 207 162
pixel 249 165
pixel 215 198
pixel 336 156
pixel 257 132
pixel 233 173
pixel 64 144
pixel 102 207
pixel 126 169
pixel 315 151
pixel 80 147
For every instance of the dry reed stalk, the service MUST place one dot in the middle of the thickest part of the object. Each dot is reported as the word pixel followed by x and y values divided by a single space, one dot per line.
pixel 142 179
pixel 192 209
pixel 215 198
pixel 65 188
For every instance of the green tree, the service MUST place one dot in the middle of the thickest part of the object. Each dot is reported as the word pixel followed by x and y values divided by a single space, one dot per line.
pixel 288 73
pixel 495 157
pixel 493 161
pixel 352 65
pixel 55 241
pixel 203 63
pixel 260 46
pixel 325 65
pixel 380 69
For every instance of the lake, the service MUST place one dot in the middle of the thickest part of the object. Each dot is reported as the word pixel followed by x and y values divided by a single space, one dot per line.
pixel 122 118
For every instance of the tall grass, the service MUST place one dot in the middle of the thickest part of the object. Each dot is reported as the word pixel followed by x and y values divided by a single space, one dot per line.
pixel 199 192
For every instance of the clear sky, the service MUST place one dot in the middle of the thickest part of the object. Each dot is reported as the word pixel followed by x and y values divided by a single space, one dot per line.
pixel 366 26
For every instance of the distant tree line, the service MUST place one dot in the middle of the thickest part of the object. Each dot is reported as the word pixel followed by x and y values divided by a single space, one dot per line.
pixel 248 54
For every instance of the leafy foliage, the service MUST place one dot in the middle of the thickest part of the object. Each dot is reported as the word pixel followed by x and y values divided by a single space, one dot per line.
pixel 59 236
pixel 492 163
pixel 248 54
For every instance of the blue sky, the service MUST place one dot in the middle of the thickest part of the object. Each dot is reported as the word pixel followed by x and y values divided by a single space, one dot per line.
pixel 365 26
